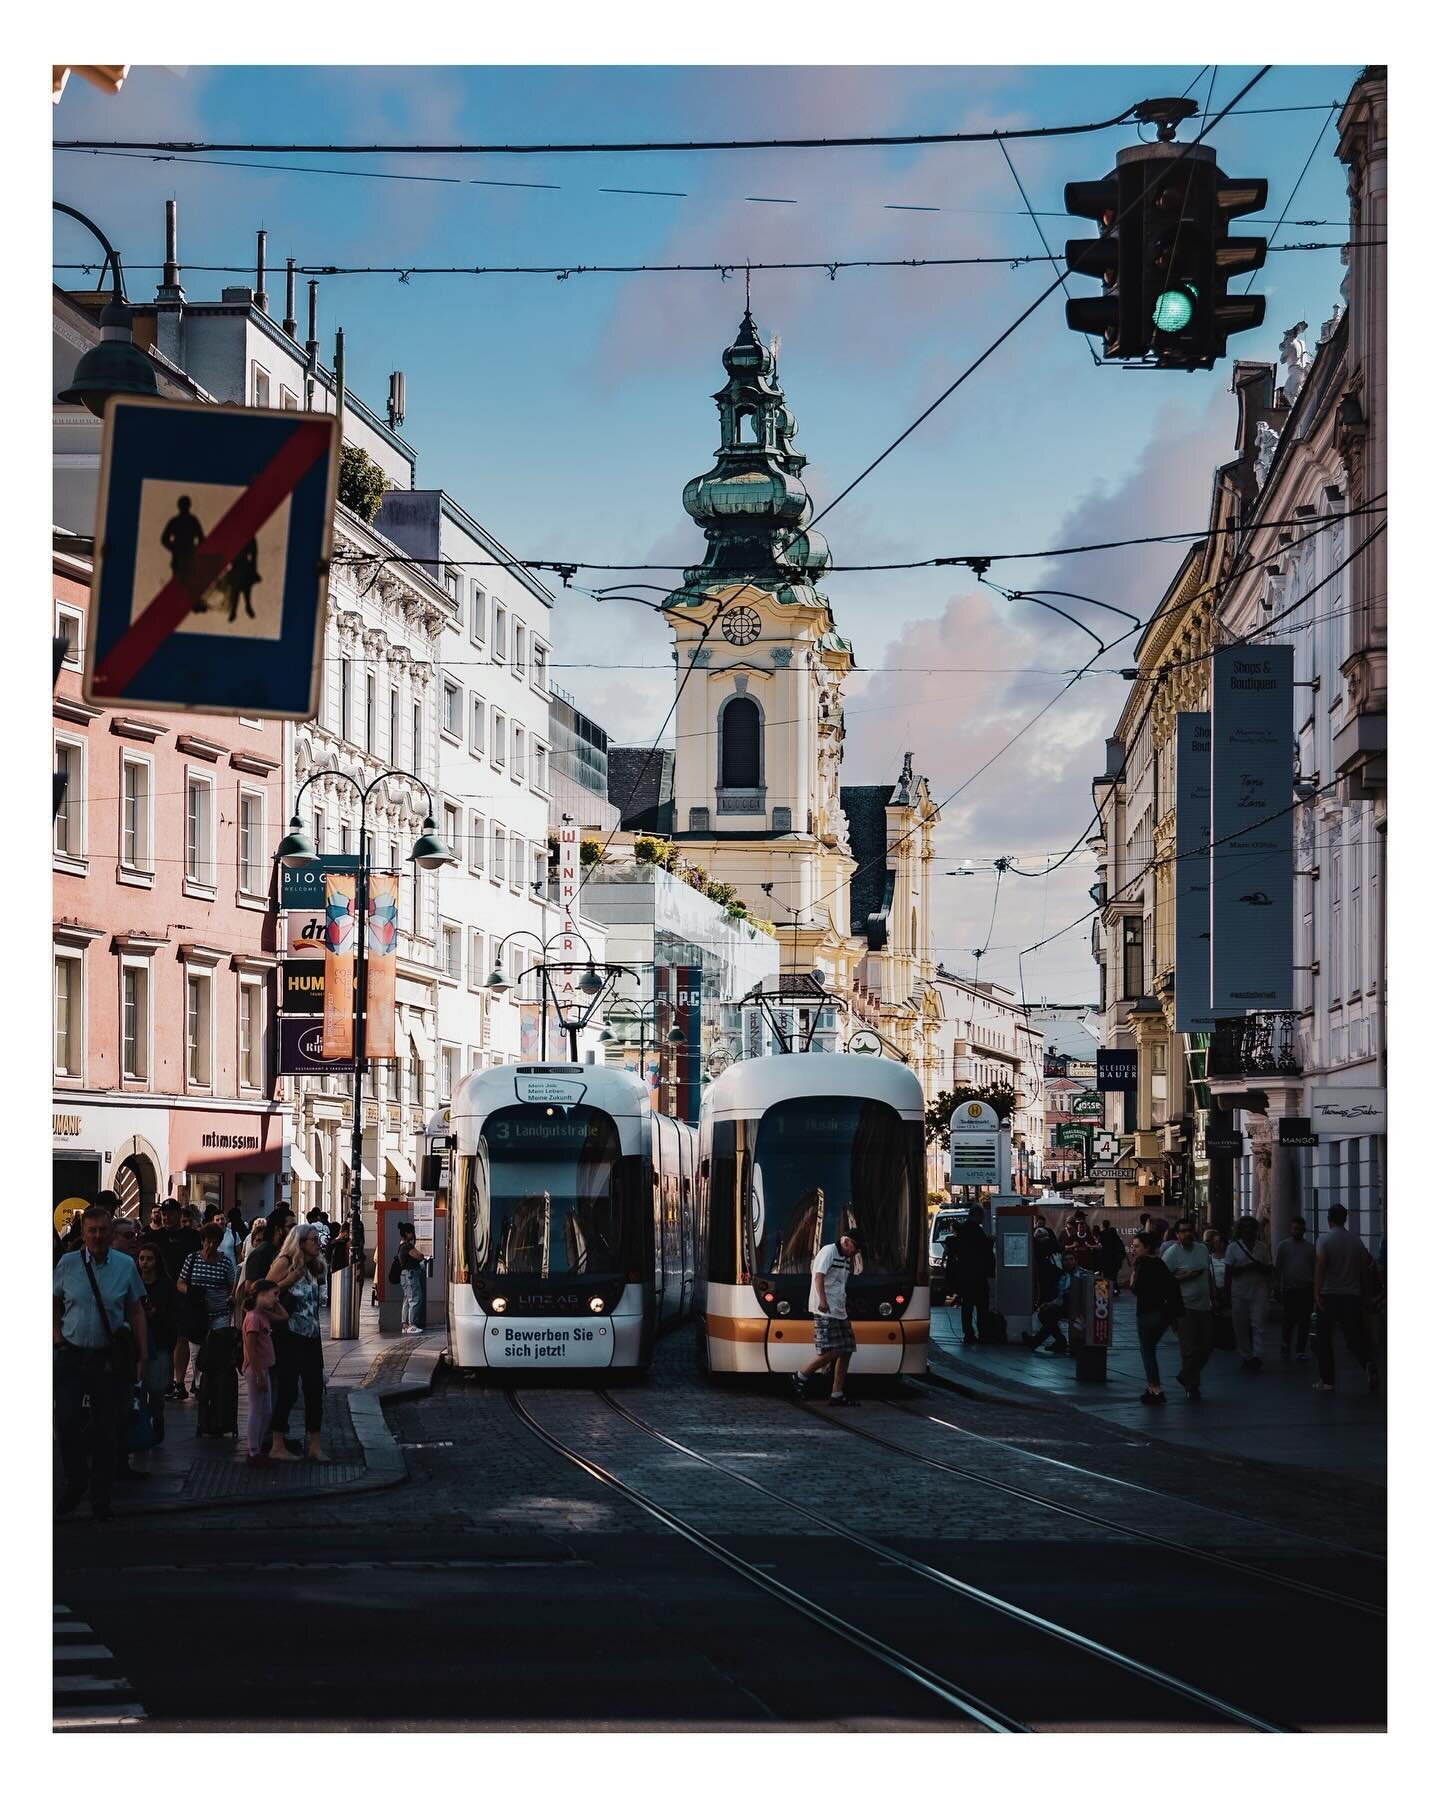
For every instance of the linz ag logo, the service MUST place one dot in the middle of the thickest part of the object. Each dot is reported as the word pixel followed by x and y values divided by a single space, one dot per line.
pixel 565 1300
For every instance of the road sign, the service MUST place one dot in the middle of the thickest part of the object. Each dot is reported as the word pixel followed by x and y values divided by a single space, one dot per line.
pixel 212 545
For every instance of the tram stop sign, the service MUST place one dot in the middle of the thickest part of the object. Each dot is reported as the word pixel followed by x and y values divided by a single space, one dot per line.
pixel 212 546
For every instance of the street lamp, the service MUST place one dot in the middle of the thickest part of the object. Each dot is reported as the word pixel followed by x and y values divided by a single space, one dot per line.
pixel 114 368
pixel 591 983
pixel 297 850
pixel 633 1010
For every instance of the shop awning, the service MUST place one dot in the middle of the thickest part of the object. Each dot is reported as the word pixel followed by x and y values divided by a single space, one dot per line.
pixel 300 1168
pixel 419 1032
pixel 400 1166
pixel 343 1154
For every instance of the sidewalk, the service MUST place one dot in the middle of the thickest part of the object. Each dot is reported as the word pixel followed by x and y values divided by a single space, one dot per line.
pixel 187 1472
pixel 1273 1416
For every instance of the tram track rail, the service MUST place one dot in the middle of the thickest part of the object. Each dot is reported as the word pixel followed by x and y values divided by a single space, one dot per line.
pixel 1110 1524
pixel 967 1703
pixel 1013 1612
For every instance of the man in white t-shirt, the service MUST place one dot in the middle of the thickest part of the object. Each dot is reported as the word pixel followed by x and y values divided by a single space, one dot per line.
pixel 834 1338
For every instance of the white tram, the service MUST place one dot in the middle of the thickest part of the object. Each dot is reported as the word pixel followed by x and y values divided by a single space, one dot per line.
pixel 572 1210
pixel 795 1147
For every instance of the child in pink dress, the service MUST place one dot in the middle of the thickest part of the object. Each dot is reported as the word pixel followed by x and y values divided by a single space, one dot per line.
pixel 262 1304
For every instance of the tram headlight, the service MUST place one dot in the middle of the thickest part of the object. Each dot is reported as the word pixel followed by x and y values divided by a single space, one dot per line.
pixel 597 1304
pixel 499 1305
pixel 782 1309
pixel 887 1309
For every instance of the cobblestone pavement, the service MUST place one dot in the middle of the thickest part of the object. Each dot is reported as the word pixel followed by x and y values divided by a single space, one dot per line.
pixel 494 1540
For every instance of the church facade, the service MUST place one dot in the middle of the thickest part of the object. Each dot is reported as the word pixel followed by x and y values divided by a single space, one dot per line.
pixel 753 788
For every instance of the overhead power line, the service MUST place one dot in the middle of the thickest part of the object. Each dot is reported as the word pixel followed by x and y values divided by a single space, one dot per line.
pixel 897 140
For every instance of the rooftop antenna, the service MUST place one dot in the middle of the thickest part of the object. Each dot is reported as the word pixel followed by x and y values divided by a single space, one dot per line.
pixel 747 287
pixel 261 299
pixel 288 322
pixel 170 288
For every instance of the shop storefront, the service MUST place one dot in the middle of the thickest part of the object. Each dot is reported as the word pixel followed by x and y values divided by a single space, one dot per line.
pixel 226 1157
pixel 99 1147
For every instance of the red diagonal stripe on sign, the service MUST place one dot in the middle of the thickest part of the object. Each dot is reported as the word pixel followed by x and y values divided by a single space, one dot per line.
pixel 245 518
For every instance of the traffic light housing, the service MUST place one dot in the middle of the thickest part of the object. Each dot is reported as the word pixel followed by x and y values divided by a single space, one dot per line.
pixel 1163 256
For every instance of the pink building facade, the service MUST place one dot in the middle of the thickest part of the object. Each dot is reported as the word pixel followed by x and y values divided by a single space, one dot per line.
pixel 164 956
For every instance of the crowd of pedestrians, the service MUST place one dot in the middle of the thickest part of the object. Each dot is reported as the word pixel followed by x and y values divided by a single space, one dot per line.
pixel 146 1320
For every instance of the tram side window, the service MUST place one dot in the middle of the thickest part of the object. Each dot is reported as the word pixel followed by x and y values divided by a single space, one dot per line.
pixel 723 1233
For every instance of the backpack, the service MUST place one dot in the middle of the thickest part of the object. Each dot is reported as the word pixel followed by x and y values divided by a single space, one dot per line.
pixel 395 1270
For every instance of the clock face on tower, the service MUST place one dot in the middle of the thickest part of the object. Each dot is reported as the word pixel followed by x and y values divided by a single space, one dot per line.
pixel 740 626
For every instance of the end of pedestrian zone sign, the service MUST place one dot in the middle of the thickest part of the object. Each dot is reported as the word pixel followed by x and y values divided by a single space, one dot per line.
pixel 212 553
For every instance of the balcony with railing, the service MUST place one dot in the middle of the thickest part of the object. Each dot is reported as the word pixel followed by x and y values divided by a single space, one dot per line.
pixel 1260 1049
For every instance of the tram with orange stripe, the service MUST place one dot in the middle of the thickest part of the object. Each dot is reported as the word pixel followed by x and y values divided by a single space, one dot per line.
pixel 795 1149
pixel 572 1206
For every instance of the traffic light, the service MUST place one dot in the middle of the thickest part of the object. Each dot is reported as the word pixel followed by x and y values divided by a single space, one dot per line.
pixel 1101 258
pixel 1175 226
pixel 1235 256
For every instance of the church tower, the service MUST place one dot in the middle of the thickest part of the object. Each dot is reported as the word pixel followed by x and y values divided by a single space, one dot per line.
pixel 759 724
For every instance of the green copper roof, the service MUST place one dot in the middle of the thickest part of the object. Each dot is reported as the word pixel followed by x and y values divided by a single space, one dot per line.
pixel 752 505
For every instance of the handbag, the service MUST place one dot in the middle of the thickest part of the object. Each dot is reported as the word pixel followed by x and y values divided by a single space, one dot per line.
pixel 119 1342
pixel 138 1431
pixel 195 1315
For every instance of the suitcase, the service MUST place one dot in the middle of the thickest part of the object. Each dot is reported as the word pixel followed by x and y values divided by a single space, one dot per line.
pixel 217 1407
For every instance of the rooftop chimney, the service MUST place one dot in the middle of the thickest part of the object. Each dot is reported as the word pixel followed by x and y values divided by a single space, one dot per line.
pixel 312 347
pixel 170 291
pixel 288 322
pixel 261 299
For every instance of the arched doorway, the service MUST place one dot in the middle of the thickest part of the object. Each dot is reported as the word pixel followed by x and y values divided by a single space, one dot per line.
pixel 137 1178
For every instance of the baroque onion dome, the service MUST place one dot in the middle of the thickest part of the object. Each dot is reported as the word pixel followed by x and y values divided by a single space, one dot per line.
pixel 752 505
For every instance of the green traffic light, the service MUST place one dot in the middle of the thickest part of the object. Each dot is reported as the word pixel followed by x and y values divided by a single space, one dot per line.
pixel 1174 309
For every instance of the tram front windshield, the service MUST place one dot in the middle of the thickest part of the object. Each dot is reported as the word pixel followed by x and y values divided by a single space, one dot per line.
pixel 547 1197
pixel 822 1166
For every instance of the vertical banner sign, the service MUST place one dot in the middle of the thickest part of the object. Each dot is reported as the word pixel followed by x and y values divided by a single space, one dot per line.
pixel 1192 872
pixel 338 1042
pixel 574 952
pixel 529 1031
pixel 688 982
pixel 381 942
pixel 1252 859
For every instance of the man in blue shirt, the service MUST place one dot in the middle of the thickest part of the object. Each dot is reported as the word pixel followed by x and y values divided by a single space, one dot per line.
pixel 90 1390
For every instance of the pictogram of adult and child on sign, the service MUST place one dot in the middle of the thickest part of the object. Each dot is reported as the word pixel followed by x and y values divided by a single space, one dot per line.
pixel 181 539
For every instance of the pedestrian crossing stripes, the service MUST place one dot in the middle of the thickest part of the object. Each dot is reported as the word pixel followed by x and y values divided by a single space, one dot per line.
pixel 83 1697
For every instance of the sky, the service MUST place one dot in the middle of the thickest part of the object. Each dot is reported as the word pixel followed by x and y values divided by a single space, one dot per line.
pixel 568 414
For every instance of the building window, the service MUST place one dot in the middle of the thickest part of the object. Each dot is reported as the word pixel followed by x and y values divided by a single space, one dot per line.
pixel 417 1079
pixel 517 659
pixel 136 841
pixel 261 385
pixel 69 1021
pixel 1133 949
pixel 448 1070
pixel 452 587
pixel 252 843
pixel 415 744
pixel 394 739
pixel 477 725
pixel 539 871
pixel 478 970
pixel 369 713
pixel 497 852
pixel 517 751
pixel 135 1022
pixel 200 830
pixel 317 834
pixel 497 636
pixel 252 1034
pixel 517 861
pixel 450 710
pixel 452 828
pixel 542 767
pixel 497 737
pixel 68 626
pixel 518 970
pixel 477 842
pixel 478 606
pixel 1337 942
pixel 345 695
pixel 197 1028
pixel 70 784
pixel 740 743
pixel 289 402
pixel 450 950
pixel 541 674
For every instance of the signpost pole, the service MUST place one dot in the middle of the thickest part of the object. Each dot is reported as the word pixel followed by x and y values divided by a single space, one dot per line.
pixel 357 1121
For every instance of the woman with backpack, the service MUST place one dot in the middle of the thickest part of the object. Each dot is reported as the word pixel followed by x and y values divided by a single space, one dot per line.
pixel 1157 1303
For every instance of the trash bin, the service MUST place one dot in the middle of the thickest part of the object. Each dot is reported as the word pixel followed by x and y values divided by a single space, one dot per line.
pixel 344 1304
pixel 1091 1324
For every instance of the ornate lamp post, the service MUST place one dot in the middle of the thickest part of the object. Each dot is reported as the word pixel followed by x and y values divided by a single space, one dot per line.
pixel 114 368
pixel 593 983
pixel 297 850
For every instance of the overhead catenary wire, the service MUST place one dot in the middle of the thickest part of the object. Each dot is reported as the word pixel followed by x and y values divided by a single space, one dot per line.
pixel 1319 136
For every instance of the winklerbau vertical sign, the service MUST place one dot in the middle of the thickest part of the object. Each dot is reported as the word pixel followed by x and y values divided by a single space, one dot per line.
pixel 1192 872
pixel 1252 948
